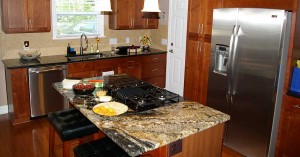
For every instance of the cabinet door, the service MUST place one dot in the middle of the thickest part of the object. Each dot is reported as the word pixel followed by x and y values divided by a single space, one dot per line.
pixel 196 70
pixel 200 15
pixel 193 65
pixel 81 70
pixel 273 4
pixel 289 128
pixel 14 16
pixel 39 16
pixel 121 17
pixel 18 96
pixel 138 19
pixel 151 20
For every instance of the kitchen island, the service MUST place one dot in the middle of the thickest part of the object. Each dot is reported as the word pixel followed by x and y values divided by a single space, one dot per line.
pixel 183 128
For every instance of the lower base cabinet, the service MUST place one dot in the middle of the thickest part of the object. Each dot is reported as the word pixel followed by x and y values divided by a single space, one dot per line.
pixel 288 142
pixel 207 143
pixel 18 95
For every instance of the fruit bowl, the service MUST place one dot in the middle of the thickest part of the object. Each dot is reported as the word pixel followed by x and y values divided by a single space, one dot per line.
pixel 29 54
pixel 83 88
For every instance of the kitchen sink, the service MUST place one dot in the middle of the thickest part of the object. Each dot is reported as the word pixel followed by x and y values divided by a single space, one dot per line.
pixel 87 56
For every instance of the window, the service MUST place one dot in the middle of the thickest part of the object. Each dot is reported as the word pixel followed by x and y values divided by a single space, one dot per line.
pixel 71 18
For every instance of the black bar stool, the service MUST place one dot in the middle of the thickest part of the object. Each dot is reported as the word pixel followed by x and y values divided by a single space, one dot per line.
pixel 103 147
pixel 69 124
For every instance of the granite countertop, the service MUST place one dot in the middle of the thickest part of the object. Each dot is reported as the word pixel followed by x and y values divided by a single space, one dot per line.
pixel 141 132
pixel 61 59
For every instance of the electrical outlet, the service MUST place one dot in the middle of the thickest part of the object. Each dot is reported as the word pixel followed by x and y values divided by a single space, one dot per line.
pixel 164 41
pixel 26 45
pixel 127 40
pixel 113 41
pixel 175 147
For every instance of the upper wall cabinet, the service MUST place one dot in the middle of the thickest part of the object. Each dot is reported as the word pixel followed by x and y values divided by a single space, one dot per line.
pixel 273 4
pixel 200 17
pixel 24 16
pixel 127 15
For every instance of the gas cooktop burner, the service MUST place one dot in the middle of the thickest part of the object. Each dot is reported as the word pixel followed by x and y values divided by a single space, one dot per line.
pixel 139 95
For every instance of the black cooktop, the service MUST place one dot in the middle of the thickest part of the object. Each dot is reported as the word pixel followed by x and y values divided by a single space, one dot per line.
pixel 139 95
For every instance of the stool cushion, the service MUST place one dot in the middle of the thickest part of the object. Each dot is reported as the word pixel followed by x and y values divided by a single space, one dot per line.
pixel 103 147
pixel 71 124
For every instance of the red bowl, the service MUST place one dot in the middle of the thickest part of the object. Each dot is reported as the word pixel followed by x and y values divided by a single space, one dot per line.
pixel 83 88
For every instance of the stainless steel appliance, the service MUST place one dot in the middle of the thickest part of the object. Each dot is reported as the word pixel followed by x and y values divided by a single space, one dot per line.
pixel 137 94
pixel 43 97
pixel 248 60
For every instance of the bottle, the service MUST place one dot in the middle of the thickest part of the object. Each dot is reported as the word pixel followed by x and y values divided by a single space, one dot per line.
pixel 68 49
pixel 92 48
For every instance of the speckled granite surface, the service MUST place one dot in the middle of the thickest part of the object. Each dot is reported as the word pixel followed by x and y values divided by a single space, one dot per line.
pixel 138 133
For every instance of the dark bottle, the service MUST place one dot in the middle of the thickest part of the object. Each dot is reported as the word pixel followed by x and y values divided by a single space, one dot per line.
pixel 68 49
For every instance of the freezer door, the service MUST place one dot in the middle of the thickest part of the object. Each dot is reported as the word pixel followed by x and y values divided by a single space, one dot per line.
pixel 255 68
pixel 224 22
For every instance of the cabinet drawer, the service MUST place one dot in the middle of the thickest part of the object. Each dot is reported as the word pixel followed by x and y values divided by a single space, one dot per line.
pixel 133 71
pixel 154 58
pixel 154 69
pixel 159 81
pixel 80 66
pixel 128 61
pixel 107 63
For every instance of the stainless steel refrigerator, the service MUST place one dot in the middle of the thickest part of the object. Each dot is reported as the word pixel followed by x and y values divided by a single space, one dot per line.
pixel 247 66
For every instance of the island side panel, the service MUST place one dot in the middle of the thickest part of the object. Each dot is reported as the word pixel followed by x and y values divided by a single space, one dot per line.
pixel 203 144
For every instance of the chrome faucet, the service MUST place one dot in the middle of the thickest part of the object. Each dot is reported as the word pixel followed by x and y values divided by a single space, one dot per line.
pixel 86 41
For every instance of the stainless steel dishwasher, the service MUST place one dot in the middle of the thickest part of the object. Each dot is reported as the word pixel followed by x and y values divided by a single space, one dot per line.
pixel 43 97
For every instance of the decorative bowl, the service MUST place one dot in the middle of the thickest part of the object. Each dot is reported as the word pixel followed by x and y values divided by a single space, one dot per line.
pixel 29 54
pixel 83 88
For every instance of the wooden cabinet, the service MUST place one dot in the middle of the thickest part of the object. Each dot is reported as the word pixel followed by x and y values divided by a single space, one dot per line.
pixel 154 69
pixel 132 70
pixel 23 16
pixel 274 4
pixel 196 69
pixel 200 14
pixel 288 135
pixel 18 95
pixel 127 15
pixel 81 70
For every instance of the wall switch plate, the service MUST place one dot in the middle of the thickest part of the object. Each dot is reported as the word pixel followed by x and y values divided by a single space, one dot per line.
pixel 175 147
pixel 127 40
pixel 113 41
pixel 164 41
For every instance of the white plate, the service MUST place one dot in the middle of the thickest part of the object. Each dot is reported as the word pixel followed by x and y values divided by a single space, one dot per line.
pixel 110 108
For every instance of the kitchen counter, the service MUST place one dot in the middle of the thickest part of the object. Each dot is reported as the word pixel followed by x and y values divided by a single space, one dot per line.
pixel 138 133
pixel 61 59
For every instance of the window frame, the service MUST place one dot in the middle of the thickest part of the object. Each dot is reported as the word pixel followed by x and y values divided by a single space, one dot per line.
pixel 54 24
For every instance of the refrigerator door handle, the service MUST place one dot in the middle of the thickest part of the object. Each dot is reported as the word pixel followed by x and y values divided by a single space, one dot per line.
pixel 233 81
pixel 229 70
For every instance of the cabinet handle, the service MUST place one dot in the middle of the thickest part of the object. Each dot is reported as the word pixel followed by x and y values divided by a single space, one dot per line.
pixel 25 75
pixel 154 70
pixel 155 58
pixel 198 29
pixel 201 28
pixel 131 67
pixel 296 106
pixel 197 46
pixel 130 61
pixel 30 23
pixel 200 47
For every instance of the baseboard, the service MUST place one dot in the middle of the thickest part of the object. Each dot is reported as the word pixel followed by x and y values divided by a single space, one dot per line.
pixel 3 109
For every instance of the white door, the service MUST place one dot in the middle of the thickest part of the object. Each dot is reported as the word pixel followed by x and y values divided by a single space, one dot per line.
pixel 178 10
